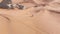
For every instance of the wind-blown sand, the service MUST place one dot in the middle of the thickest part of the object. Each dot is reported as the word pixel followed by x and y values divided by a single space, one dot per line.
pixel 29 21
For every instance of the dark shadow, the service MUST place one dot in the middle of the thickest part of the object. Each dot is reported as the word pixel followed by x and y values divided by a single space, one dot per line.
pixel 4 3
pixel 20 6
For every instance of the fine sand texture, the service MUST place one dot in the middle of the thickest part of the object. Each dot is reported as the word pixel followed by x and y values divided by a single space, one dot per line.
pixel 32 19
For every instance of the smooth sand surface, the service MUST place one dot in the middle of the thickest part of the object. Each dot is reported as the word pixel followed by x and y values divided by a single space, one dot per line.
pixel 20 22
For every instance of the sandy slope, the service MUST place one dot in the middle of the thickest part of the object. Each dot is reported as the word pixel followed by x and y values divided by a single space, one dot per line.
pixel 28 21
pixel 20 21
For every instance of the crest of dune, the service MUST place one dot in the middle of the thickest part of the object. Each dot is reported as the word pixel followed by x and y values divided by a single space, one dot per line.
pixel 54 5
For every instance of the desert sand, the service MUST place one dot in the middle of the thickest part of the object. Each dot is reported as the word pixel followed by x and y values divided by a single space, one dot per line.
pixel 30 20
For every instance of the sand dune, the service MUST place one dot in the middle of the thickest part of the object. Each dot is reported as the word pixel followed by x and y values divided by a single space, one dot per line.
pixel 30 20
